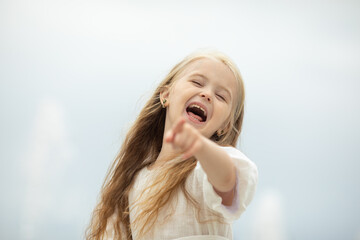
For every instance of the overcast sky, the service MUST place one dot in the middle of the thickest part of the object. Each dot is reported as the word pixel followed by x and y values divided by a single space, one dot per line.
pixel 75 74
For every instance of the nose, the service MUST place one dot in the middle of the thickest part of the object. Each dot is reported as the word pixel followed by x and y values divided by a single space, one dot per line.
pixel 206 96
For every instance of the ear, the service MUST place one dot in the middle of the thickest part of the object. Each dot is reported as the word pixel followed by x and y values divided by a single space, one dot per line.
pixel 224 129
pixel 164 94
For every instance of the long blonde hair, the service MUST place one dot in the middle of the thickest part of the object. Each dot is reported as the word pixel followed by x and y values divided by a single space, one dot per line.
pixel 141 148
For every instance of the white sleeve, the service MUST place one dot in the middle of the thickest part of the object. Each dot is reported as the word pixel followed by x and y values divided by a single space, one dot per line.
pixel 246 180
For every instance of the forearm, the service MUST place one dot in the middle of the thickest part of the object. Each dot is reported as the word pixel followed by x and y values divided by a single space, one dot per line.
pixel 218 165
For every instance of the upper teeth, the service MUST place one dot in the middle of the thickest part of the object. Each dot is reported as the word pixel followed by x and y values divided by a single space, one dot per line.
pixel 197 106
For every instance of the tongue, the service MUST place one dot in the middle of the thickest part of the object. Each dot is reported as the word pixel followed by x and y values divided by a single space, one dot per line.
pixel 197 117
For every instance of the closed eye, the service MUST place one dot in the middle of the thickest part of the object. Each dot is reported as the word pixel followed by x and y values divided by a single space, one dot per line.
pixel 196 83
pixel 221 97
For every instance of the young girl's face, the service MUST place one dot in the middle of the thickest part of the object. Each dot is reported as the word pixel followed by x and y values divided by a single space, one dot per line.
pixel 204 94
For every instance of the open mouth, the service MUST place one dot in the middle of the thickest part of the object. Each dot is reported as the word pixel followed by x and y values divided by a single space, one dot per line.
pixel 196 112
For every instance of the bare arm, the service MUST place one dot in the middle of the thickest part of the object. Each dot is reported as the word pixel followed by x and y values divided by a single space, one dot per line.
pixel 217 164
pixel 219 168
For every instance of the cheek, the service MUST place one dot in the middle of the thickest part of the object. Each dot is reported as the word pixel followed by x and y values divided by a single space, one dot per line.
pixel 222 115
pixel 227 112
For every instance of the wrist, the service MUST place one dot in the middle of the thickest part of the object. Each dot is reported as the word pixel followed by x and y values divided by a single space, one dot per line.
pixel 205 146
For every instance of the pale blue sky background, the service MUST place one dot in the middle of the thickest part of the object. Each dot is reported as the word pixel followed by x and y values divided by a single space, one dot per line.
pixel 74 75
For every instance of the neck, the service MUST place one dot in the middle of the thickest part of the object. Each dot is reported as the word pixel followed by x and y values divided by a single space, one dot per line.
pixel 166 153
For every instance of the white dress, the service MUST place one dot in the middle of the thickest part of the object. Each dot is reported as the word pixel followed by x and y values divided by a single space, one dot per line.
pixel 183 224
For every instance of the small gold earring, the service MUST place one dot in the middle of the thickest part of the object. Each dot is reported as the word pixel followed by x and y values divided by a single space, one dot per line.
pixel 163 103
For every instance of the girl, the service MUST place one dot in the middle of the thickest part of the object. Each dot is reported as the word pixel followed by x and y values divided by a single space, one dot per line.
pixel 178 175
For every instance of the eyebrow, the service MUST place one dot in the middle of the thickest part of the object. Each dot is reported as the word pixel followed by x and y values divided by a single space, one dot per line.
pixel 203 76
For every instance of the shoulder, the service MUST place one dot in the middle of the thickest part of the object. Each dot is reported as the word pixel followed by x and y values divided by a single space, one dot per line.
pixel 246 181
